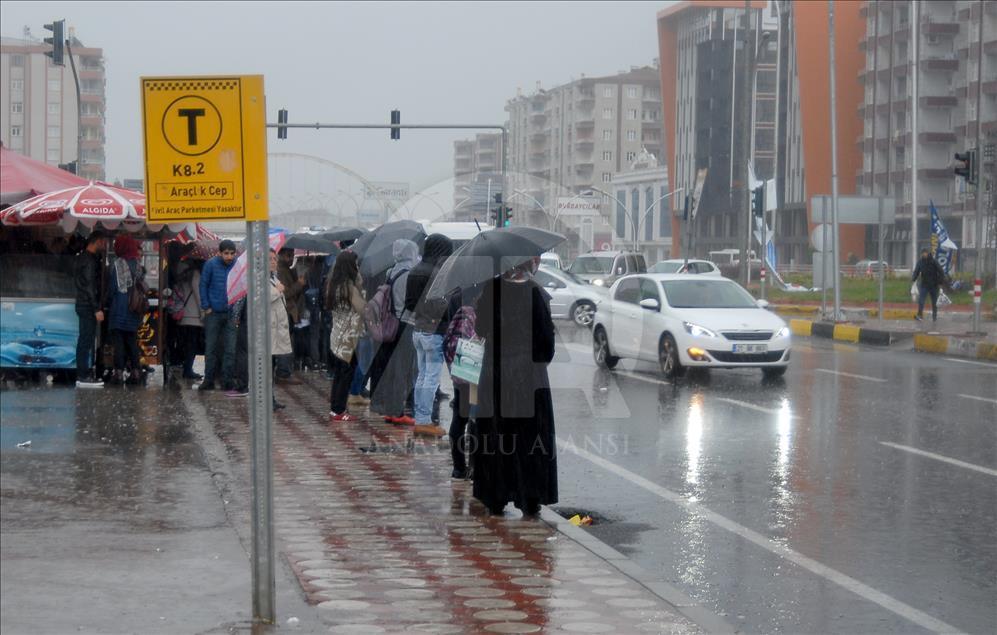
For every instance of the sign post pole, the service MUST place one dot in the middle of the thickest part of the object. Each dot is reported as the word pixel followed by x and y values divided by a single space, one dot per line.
pixel 260 420
pixel 206 160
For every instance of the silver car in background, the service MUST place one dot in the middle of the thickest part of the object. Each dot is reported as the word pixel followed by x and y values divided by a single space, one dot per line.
pixel 571 298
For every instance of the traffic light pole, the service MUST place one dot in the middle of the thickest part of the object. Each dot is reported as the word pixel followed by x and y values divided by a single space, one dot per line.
pixel 395 129
pixel 980 242
pixel 79 110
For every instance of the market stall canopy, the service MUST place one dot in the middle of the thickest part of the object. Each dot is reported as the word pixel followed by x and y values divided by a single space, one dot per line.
pixel 88 204
pixel 22 177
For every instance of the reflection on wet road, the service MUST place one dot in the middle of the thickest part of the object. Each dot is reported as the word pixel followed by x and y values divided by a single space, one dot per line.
pixel 857 494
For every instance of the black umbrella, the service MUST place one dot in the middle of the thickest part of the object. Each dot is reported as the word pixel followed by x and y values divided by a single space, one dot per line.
pixel 311 242
pixel 337 234
pixel 375 247
pixel 490 254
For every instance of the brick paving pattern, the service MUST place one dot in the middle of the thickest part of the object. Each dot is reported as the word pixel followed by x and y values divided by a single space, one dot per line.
pixel 383 541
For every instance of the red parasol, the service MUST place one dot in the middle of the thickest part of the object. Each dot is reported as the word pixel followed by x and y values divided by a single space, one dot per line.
pixel 22 177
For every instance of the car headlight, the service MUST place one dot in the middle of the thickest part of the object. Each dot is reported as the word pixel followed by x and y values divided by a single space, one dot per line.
pixel 697 331
pixel 598 282
pixel 783 332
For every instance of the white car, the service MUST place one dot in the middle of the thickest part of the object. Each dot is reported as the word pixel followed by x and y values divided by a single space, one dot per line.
pixel 551 259
pixel 681 321
pixel 679 265
pixel 570 297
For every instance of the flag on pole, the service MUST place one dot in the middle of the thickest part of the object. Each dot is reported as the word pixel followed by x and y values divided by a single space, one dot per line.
pixel 941 244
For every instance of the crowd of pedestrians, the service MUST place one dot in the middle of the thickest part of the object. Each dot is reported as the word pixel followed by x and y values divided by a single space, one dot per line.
pixel 502 427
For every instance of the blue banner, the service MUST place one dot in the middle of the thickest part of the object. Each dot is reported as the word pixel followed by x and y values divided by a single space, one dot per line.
pixel 941 244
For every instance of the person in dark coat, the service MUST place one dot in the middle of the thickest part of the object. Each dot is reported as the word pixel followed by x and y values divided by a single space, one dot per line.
pixel 86 278
pixel 123 323
pixel 932 276
pixel 430 320
pixel 513 450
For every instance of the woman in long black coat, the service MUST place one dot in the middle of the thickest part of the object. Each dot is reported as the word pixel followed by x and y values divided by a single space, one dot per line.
pixel 513 452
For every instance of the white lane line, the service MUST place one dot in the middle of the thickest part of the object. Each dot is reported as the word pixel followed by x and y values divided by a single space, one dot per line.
pixel 862 590
pixel 939 457
pixel 751 406
pixel 853 375
pixel 993 401
pixel 646 378
pixel 969 361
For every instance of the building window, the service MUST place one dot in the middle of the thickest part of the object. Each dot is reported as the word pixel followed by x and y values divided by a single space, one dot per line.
pixel 17 60
pixel 52 155
pixel 53 132
pixel 631 92
pixel 621 215
pixel 631 155
pixel 648 214
pixel 607 155
pixel 632 114
pixel 664 222
pixel 55 85
pixel 631 135
pixel 54 108
pixel 16 85
pixel 607 91
pixel 607 113
pixel 15 131
pixel 634 208
pixel 607 177
pixel 16 107
pixel 607 135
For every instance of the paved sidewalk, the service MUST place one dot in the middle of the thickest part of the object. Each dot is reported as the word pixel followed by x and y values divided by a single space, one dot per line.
pixel 382 540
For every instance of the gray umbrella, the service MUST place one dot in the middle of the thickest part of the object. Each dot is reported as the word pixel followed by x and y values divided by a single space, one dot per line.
pixel 375 247
pixel 489 254
pixel 311 242
pixel 337 234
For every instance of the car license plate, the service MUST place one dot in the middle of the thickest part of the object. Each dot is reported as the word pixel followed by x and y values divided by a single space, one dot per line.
pixel 751 348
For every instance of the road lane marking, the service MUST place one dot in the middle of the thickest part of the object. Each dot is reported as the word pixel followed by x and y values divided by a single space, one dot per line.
pixel 648 379
pixel 853 375
pixel 851 584
pixel 745 404
pixel 939 457
pixel 993 401
pixel 969 361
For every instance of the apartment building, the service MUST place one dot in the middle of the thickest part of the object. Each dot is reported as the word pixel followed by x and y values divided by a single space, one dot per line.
pixel 789 126
pixel 565 140
pixel 947 33
pixel 477 172
pixel 38 108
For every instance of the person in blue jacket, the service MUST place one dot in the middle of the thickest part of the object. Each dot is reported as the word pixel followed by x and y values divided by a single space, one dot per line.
pixel 123 322
pixel 219 323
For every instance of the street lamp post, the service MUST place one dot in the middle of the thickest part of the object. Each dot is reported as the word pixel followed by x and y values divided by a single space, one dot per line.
pixel 637 222
pixel 532 198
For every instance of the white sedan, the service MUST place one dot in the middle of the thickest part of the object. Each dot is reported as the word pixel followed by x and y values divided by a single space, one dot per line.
pixel 681 321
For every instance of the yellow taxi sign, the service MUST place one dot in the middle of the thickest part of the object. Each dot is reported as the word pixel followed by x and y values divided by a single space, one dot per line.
pixel 205 148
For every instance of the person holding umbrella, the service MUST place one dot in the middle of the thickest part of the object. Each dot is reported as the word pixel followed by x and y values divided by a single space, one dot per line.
pixel 513 449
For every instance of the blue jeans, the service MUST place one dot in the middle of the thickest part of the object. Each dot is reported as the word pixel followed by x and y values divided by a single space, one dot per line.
pixel 429 358
pixel 219 343
pixel 365 353
pixel 922 294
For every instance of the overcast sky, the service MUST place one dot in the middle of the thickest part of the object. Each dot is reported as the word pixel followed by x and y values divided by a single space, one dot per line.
pixel 352 63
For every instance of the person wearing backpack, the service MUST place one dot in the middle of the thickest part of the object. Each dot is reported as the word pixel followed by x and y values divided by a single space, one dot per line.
pixel 392 372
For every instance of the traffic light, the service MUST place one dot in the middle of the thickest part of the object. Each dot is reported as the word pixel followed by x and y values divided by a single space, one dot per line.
pixel 396 120
pixel 282 119
pixel 758 201
pixel 969 168
pixel 58 42
pixel 506 216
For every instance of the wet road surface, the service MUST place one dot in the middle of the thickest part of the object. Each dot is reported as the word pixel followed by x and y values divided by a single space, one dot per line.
pixel 859 494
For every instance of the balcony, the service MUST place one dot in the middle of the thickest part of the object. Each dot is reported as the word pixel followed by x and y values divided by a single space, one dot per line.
pixel 936 137
pixel 939 28
pixel 990 47
pixel 538 136
pixel 939 101
pixel 990 88
pixel 92 120
pixel 91 144
pixel 584 145
pixel 947 63
pixel 584 167
pixel 538 116
pixel 586 98
pixel 585 124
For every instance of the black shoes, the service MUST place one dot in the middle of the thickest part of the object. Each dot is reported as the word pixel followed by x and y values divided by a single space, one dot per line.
pixel 458 475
